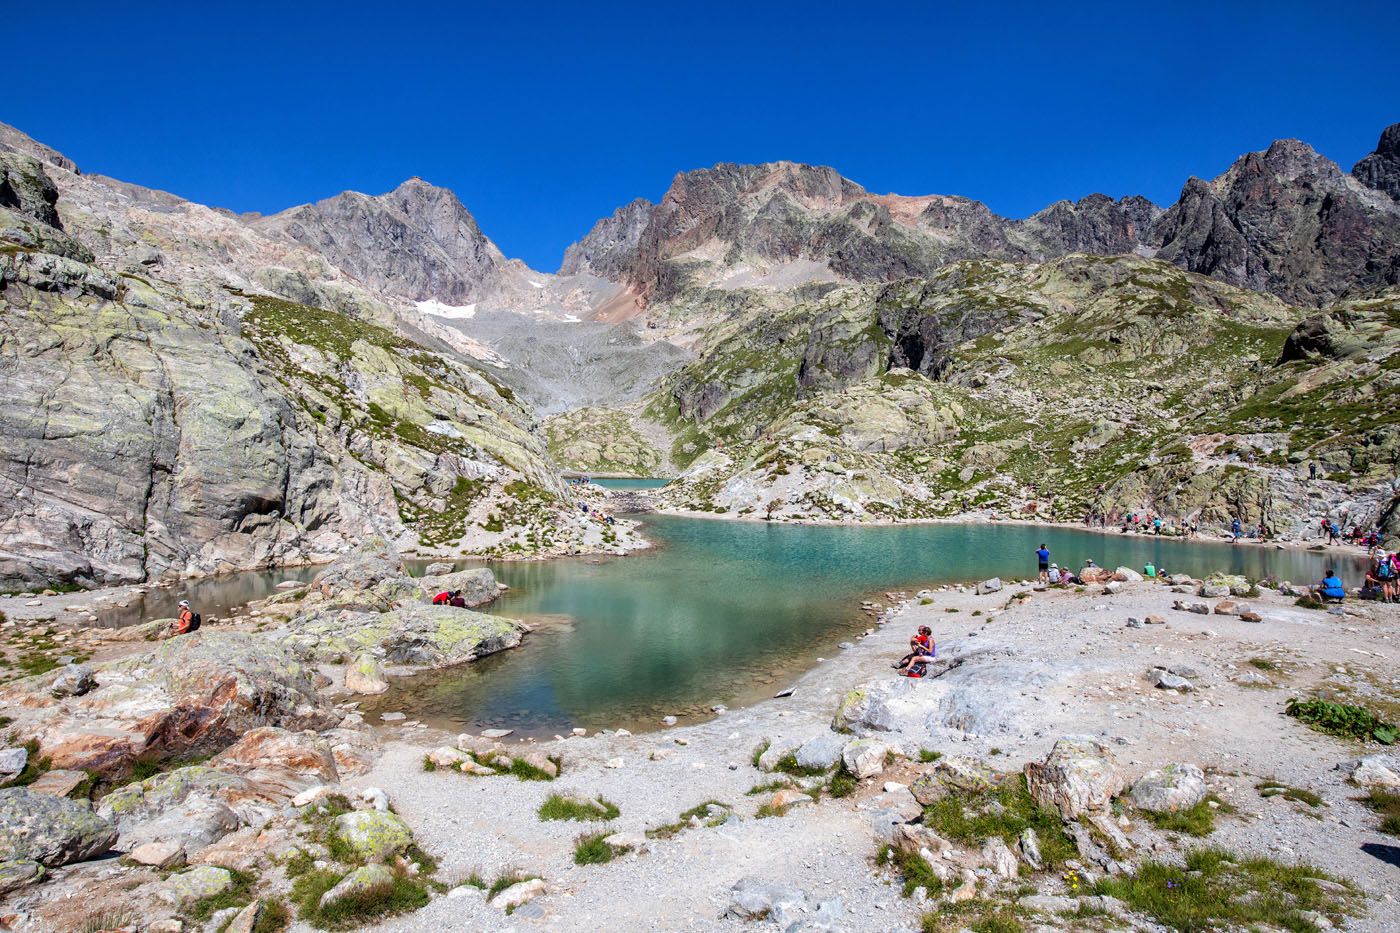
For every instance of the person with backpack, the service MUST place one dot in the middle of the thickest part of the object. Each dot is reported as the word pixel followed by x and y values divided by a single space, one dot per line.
pixel 922 649
pixel 1042 557
pixel 1385 576
pixel 187 620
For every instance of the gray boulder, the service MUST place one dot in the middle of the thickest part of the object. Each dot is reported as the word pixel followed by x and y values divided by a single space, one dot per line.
pixel 17 874
pixel 821 751
pixel 12 762
pixel 993 585
pixel 74 680
pixel 50 830
pixel 1170 789
pixel 477 585
pixel 754 899
pixel 374 835
pixel 362 882
pixel 195 885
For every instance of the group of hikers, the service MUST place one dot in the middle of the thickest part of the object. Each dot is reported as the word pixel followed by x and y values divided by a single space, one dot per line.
pixel 1383 577
pixel 450 598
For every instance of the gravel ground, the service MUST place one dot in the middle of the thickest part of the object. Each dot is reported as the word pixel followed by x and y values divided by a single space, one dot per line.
pixel 1037 667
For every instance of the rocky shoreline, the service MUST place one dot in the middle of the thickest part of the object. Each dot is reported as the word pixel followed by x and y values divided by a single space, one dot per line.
pixel 259 789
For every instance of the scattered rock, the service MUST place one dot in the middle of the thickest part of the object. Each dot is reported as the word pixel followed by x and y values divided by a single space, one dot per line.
pixel 1170 789
pixel 16 874
pixel 1155 620
pixel 495 733
pixel 994 585
pixel 788 797
pixel 362 882
pixel 158 854
pixel 1249 615
pixel 864 757
pixel 74 680
pixel 1381 772
pixel 753 899
pixel 194 885
pixel 520 893
pixel 374 835
pixel 57 782
pixel 12 762
pixel 821 751
pixel 1000 858
pixel 246 920
pixel 50 830
pixel 1166 680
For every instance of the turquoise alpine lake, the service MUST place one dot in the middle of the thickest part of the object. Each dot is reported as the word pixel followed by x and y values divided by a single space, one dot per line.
pixel 726 613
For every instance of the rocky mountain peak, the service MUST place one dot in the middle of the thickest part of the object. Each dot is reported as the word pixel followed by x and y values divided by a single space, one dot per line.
pixel 609 249
pixel 417 242
pixel 1381 169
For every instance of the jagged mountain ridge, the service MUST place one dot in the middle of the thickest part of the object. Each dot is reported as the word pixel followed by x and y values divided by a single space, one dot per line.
pixel 1286 220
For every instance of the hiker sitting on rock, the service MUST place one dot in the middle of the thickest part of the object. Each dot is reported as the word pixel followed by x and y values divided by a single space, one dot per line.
pixel 922 649
pixel 186 621
pixel 1330 589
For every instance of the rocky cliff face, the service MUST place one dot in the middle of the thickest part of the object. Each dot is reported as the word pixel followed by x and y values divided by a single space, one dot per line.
pixel 1381 169
pixel 1059 389
pixel 167 414
pixel 1286 221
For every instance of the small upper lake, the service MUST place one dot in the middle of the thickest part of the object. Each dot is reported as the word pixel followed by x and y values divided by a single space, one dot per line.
pixel 726 612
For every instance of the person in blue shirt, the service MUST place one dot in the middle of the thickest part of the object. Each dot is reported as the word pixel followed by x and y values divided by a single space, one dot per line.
pixel 1042 557
pixel 1330 588
pixel 1235 531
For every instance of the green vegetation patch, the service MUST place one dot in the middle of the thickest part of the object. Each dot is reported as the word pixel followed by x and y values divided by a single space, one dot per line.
pixel 1271 788
pixel 1196 821
pixel 1004 811
pixel 1387 804
pixel 979 916
pixel 913 868
pixel 557 807
pixel 711 813
pixel 404 895
pixel 1343 719
pixel 1217 889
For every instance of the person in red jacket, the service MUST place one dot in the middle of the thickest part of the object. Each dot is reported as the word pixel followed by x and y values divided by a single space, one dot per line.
pixel 921 651
pixel 184 620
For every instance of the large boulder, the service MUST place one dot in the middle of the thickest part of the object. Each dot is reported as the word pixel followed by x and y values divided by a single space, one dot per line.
pixel 17 874
pixel 193 695
pixel 1079 775
pixel 191 808
pixel 821 751
pixel 278 763
pixel 871 707
pixel 955 774
pixel 1170 789
pixel 419 635
pixel 365 675
pixel 478 585
pixel 371 578
pixel 50 830
pixel 195 885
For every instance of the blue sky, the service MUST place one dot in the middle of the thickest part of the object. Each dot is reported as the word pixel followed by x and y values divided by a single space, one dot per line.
pixel 544 117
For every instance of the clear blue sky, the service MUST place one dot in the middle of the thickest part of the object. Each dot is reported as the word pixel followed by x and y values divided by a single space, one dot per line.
pixel 544 117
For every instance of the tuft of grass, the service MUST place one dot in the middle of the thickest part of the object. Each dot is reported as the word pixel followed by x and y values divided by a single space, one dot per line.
pixel 523 770
pixel 928 756
pixel 914 868
pixel 1308 602
pixel 107 919
pixel 788 765
pixel 506 880
pixel 34 766
pixel 842 783
pixel 405 895
pixel 699 812
pixel 1273 788
pixel 767 787
pixel 274 918
pixel 1263 664
pixel 768 811
pixel 239 894
pixel 1387 804
pixel 1216 888
pixel 977 915
pixel 556 807
pixel 758 752
pixel 592 849
pixel 1006 810
pixel 429 764
pixel 1196 821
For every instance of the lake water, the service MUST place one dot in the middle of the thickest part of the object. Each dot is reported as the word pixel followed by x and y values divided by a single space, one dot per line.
pixel 725 612
pixel 629 482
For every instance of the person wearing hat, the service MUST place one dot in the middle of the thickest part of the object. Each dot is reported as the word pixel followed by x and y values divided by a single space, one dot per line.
pixel 184 620
pixel 1054 578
